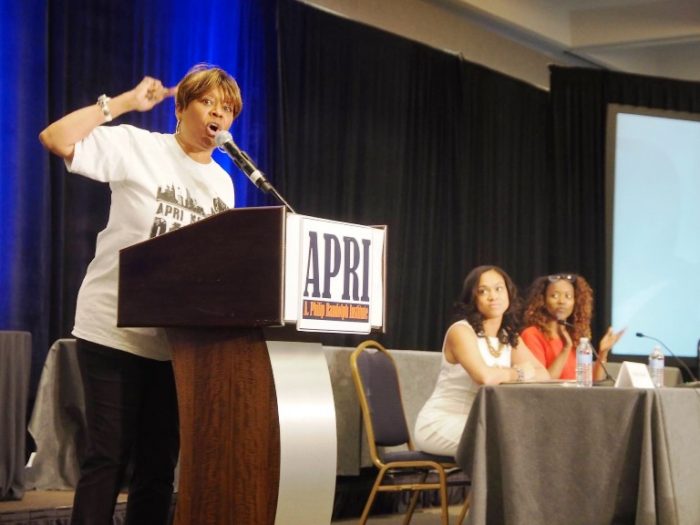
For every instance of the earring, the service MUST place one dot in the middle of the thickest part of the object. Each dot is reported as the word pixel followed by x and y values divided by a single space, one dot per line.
pixel 177 128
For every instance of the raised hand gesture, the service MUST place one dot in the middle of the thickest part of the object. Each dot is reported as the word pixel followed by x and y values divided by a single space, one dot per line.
pixel 609 339
pixel 149 92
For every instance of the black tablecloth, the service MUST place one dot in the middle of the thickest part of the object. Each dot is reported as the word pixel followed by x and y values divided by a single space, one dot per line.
pixel 563 455
pixel 15 363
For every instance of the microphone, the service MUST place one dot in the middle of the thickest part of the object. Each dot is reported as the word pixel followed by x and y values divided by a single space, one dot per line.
pixel 224 141
pixel 595 353
pixel 675 357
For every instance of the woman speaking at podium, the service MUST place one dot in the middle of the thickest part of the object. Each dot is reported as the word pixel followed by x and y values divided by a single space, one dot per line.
pixel 159 182
pixel 558 313
pixel 481 347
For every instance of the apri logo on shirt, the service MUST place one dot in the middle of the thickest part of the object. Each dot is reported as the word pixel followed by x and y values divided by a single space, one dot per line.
pixel 177 207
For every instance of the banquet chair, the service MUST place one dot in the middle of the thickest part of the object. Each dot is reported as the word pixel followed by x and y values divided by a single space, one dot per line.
pixel 378 390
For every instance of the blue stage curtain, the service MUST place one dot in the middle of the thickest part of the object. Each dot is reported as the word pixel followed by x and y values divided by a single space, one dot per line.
pixel 25 188
pixel 61 55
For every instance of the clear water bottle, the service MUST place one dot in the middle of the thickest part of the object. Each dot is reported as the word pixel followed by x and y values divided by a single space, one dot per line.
pixel 656 367
pixel 584 363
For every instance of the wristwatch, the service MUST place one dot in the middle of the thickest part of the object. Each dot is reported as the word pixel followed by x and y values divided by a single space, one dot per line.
pixel 103 103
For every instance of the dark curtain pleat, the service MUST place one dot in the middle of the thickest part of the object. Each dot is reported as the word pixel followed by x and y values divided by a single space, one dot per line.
pixel 579 101
pixel 382 130
pixel 504 178
pixel 25 192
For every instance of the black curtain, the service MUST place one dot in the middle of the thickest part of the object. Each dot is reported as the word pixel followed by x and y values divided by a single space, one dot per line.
pixel 465 165
pixel 579 101
pixel 377 129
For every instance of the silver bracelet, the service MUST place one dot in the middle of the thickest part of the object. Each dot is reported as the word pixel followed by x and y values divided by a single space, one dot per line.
pixel 103 103
pixel 521 373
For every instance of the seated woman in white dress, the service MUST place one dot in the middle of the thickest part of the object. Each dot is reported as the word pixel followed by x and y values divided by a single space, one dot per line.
pixel 481 348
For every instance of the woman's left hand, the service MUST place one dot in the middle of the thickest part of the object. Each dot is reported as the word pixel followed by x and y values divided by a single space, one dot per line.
pixel 609 340
pixel 149 92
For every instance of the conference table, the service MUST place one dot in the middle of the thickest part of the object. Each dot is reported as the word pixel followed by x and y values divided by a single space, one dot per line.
pixel 557 454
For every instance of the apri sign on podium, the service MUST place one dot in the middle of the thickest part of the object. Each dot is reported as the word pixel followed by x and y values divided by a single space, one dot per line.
pixel 335 282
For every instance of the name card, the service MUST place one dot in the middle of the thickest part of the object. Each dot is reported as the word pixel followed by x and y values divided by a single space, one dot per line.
pixel 634 375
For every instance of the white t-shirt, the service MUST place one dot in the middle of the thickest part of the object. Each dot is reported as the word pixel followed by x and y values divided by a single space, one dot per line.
pixel 156 188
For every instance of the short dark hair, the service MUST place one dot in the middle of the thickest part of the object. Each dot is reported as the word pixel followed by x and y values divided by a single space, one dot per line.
pixel 203 77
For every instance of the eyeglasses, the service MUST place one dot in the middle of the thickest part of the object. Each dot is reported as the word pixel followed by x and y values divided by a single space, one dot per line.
pixel 562 276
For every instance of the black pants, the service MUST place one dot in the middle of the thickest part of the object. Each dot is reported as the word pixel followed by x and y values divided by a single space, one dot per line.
pixel 131 410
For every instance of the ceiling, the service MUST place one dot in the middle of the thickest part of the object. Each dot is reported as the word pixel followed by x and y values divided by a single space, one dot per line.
pixel 649 37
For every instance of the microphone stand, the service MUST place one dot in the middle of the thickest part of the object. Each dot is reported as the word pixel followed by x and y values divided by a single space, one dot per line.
pixel 608 377
pixel 266 186
pixel 280 199
pixel 240 158
pixel 675 357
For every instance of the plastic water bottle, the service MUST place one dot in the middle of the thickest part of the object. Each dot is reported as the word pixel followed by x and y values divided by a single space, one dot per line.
pixel 584 363
pixel 656 367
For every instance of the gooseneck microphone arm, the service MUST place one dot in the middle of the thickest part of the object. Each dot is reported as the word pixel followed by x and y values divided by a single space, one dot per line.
pixel 675 357
pixel 597 357
pixel 225 143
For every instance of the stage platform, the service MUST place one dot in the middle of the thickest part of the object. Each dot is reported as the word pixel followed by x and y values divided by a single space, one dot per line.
pixel 48 507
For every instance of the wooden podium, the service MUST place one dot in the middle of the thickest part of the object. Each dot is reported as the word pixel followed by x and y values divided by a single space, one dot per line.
pixel 257 420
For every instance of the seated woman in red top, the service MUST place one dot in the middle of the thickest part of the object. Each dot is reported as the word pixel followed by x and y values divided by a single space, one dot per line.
pixel 558 313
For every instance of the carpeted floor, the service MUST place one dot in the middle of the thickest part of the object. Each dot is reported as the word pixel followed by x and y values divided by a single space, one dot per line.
pixel 60 501
pixel 47 507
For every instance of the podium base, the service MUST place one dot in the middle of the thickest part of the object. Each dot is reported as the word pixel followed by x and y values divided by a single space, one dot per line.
pixel 257 429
